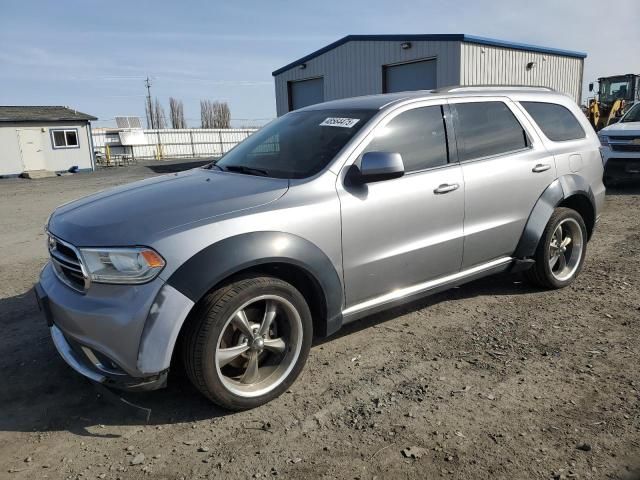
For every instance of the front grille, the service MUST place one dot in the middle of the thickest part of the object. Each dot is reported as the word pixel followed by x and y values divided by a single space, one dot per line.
pixel 67 264
pixel 621 147
pixel 626 138
pixel 621 143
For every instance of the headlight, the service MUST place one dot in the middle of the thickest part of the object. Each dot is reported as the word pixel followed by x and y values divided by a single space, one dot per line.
pixel 604 140
pixel 122 265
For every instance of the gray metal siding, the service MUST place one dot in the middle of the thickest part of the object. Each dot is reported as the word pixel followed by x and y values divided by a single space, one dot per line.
pixel 355 68
pixel 482 64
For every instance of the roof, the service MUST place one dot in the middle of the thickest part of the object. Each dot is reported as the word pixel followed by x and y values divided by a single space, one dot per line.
pixel 450 37
pixel 13 113
pixel 382 100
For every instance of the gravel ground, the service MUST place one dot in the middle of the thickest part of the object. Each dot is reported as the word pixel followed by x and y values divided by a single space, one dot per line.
pixel 490 380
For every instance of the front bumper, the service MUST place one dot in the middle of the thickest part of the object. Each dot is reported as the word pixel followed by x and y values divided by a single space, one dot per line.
pixel 95 372
pixel 121 336
pixel 620 166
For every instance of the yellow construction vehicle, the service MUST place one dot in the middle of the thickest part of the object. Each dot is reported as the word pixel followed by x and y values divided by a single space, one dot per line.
pixel 614 97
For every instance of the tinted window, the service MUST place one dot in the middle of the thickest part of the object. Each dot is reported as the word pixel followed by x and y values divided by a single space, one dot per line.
pixel 487 128
pixel 296 145
pixel 418 135
pixel 555 121
pixel 632 115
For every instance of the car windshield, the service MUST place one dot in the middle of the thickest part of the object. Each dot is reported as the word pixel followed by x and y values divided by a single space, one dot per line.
pixel 632 115
pixel 297 145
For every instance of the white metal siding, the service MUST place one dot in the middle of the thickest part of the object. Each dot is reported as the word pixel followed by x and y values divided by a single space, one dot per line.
pixel 483 64
pixel 174 143
pixel 355 68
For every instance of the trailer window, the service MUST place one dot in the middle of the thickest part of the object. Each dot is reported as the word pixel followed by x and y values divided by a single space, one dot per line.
pixel 67 138
pixel 555 121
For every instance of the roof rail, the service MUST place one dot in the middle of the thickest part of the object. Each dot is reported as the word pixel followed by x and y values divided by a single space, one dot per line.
pixel 473 88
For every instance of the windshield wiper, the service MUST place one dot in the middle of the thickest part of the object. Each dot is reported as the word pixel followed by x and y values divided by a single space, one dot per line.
pixel 212 165
pixel 244 169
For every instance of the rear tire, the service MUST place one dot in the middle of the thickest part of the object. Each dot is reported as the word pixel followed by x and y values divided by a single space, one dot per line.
pixel 248 342
pixel 561 251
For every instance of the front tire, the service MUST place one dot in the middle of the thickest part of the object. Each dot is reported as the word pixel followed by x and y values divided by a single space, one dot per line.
pixel 248 342
pixel 561 251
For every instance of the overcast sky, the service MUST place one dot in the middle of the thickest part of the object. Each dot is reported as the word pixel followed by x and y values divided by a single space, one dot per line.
pixel 94 56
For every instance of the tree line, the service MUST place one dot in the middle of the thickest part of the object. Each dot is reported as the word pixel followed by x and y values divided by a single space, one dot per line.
pixel 212 114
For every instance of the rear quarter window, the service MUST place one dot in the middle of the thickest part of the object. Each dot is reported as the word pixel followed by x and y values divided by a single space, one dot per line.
pixel 555 121
pixel 485 129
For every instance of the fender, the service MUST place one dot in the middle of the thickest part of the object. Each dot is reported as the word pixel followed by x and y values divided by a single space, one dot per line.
pixel 561 188
pixel 222 259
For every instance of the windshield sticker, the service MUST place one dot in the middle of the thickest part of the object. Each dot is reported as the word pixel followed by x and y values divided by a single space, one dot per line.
pixel 339 122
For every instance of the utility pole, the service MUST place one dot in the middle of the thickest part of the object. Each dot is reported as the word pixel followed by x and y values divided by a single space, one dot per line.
pixel 151 117
pixel 155 124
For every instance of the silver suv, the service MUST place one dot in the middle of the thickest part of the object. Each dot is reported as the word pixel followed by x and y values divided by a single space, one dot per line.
pixel 326 215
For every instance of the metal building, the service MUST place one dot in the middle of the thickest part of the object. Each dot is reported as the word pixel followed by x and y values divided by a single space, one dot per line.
pixel 369 64
pixel 44 139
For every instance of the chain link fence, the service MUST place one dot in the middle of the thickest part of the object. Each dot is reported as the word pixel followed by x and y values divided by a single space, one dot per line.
pixel 118 147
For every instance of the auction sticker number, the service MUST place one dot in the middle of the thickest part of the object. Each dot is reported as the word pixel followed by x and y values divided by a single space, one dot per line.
pixel 339 122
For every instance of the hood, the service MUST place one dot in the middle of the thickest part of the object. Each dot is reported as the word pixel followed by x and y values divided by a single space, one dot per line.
pixel 626 128
pixel 136 213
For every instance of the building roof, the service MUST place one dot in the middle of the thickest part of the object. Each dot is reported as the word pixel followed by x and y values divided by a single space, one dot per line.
pixel 450 37
pixel 14 113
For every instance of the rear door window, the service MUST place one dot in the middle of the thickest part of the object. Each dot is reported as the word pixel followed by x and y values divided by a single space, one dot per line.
pixel 418 135
pixel 484 129
pixel 555 121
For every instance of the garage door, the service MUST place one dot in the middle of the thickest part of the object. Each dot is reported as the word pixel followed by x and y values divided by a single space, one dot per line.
pixel 410 76
pixel 306 92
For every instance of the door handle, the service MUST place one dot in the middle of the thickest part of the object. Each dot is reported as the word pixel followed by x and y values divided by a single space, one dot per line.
pixel 541 167
pixel 446 188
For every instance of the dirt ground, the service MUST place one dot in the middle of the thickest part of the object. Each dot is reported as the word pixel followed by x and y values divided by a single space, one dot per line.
pixel 490 380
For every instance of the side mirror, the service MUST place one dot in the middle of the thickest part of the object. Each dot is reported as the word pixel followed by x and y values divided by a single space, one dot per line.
pixel 377 166
pixel 591 87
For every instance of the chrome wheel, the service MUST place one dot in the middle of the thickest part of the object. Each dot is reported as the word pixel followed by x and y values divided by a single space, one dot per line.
pixel 565 249
pixel 258 346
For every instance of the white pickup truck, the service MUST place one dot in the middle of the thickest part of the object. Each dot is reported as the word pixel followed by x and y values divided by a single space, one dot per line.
pixel 621 148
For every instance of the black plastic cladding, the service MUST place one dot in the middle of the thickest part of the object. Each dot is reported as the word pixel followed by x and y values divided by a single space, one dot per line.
pixel 560 189
pixel 223 259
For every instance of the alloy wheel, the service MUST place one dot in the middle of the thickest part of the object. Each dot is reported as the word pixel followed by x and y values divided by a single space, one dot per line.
pixel 565 249
pixel 258 346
